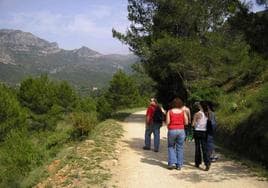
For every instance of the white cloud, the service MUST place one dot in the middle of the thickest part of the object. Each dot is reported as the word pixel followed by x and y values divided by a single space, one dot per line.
pixel 82 24
pixel 57 24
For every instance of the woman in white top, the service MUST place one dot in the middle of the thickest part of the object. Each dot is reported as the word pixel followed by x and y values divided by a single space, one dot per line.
pixel 200 135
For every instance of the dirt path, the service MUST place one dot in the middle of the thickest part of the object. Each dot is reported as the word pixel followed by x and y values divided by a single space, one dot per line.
pixel 139 168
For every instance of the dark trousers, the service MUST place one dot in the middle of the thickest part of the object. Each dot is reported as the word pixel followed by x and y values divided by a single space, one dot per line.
pixel 200 138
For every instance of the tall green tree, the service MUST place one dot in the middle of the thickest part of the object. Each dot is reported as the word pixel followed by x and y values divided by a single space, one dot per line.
pixel 66 96
pixel 254 28
pixel 162 30
pixel 144 83
pixel 122 91
pixel 38 94
pixel 46 100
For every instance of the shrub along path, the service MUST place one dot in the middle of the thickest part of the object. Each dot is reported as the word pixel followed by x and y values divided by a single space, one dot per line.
pixel 139 168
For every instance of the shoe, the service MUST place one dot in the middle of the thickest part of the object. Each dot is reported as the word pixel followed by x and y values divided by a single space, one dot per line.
pixel 146 148
pixel 196 165
pixel 155 150
pixel 213 160
pixel 178 168
pixel 207 167
pixel 170 167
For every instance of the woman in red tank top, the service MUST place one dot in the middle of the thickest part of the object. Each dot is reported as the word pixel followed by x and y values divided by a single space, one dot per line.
pixel 176 119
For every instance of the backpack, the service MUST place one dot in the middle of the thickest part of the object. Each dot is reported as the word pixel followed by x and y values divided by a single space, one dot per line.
pixel 158 116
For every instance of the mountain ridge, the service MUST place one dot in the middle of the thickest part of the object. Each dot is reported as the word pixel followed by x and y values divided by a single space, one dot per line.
pixel 23 54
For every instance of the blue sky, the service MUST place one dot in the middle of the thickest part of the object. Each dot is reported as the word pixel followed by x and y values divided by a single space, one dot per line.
pixel 70 23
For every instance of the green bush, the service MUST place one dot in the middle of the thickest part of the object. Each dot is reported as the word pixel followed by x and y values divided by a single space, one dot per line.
pixel 46 101
pixel 11 114
pixel 45 121
pixel 55 140
pixel 205 93
pixel 104 108
pixel 38 94
pixel 87 104
pixel 66 96
pixel 18 155
pixel 242 116
pixel 41 94
pixel 83 123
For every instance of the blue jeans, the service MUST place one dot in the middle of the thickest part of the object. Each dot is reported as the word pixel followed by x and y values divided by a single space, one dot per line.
pixel 210 145
pixel 155 129
pixel 175 147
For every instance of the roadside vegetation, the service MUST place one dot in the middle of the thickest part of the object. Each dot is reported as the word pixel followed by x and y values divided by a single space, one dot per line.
pixel 48 130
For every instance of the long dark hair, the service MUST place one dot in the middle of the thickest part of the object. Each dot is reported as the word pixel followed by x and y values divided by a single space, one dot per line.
pixel 210 105
pixel 204 105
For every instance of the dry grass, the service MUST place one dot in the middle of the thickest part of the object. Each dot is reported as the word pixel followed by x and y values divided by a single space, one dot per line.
pixel 87 163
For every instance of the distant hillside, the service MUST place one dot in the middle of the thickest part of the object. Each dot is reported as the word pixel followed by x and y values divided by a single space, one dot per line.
pixel 23 54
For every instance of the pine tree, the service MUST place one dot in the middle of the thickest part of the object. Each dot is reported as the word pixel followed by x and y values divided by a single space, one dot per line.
pixel 122 91
pixel 170 36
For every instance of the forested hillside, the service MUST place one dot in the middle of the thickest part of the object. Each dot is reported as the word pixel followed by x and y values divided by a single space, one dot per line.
pixel 23 54
pixel 208 50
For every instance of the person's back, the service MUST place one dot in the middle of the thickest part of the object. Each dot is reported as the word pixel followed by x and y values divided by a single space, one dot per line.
pixel 200 135
pixel 201 121
pixel 176 119
pixel 149 113
pixel 152 127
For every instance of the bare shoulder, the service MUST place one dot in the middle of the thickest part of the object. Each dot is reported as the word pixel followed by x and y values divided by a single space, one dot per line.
pixel 186 109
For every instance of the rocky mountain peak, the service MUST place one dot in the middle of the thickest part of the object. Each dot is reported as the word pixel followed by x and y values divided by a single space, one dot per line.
pixel 86 52
pixel 19 41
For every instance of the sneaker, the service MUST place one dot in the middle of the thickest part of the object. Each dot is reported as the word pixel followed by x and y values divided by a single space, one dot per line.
pixel 207 167
pixel 213 160
pixel 178 167
pixel 170 167
pixel 155 150
pixel 146 148
pixel 196 165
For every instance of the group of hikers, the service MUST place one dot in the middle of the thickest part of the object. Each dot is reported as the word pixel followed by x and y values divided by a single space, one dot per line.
pixel 180 128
